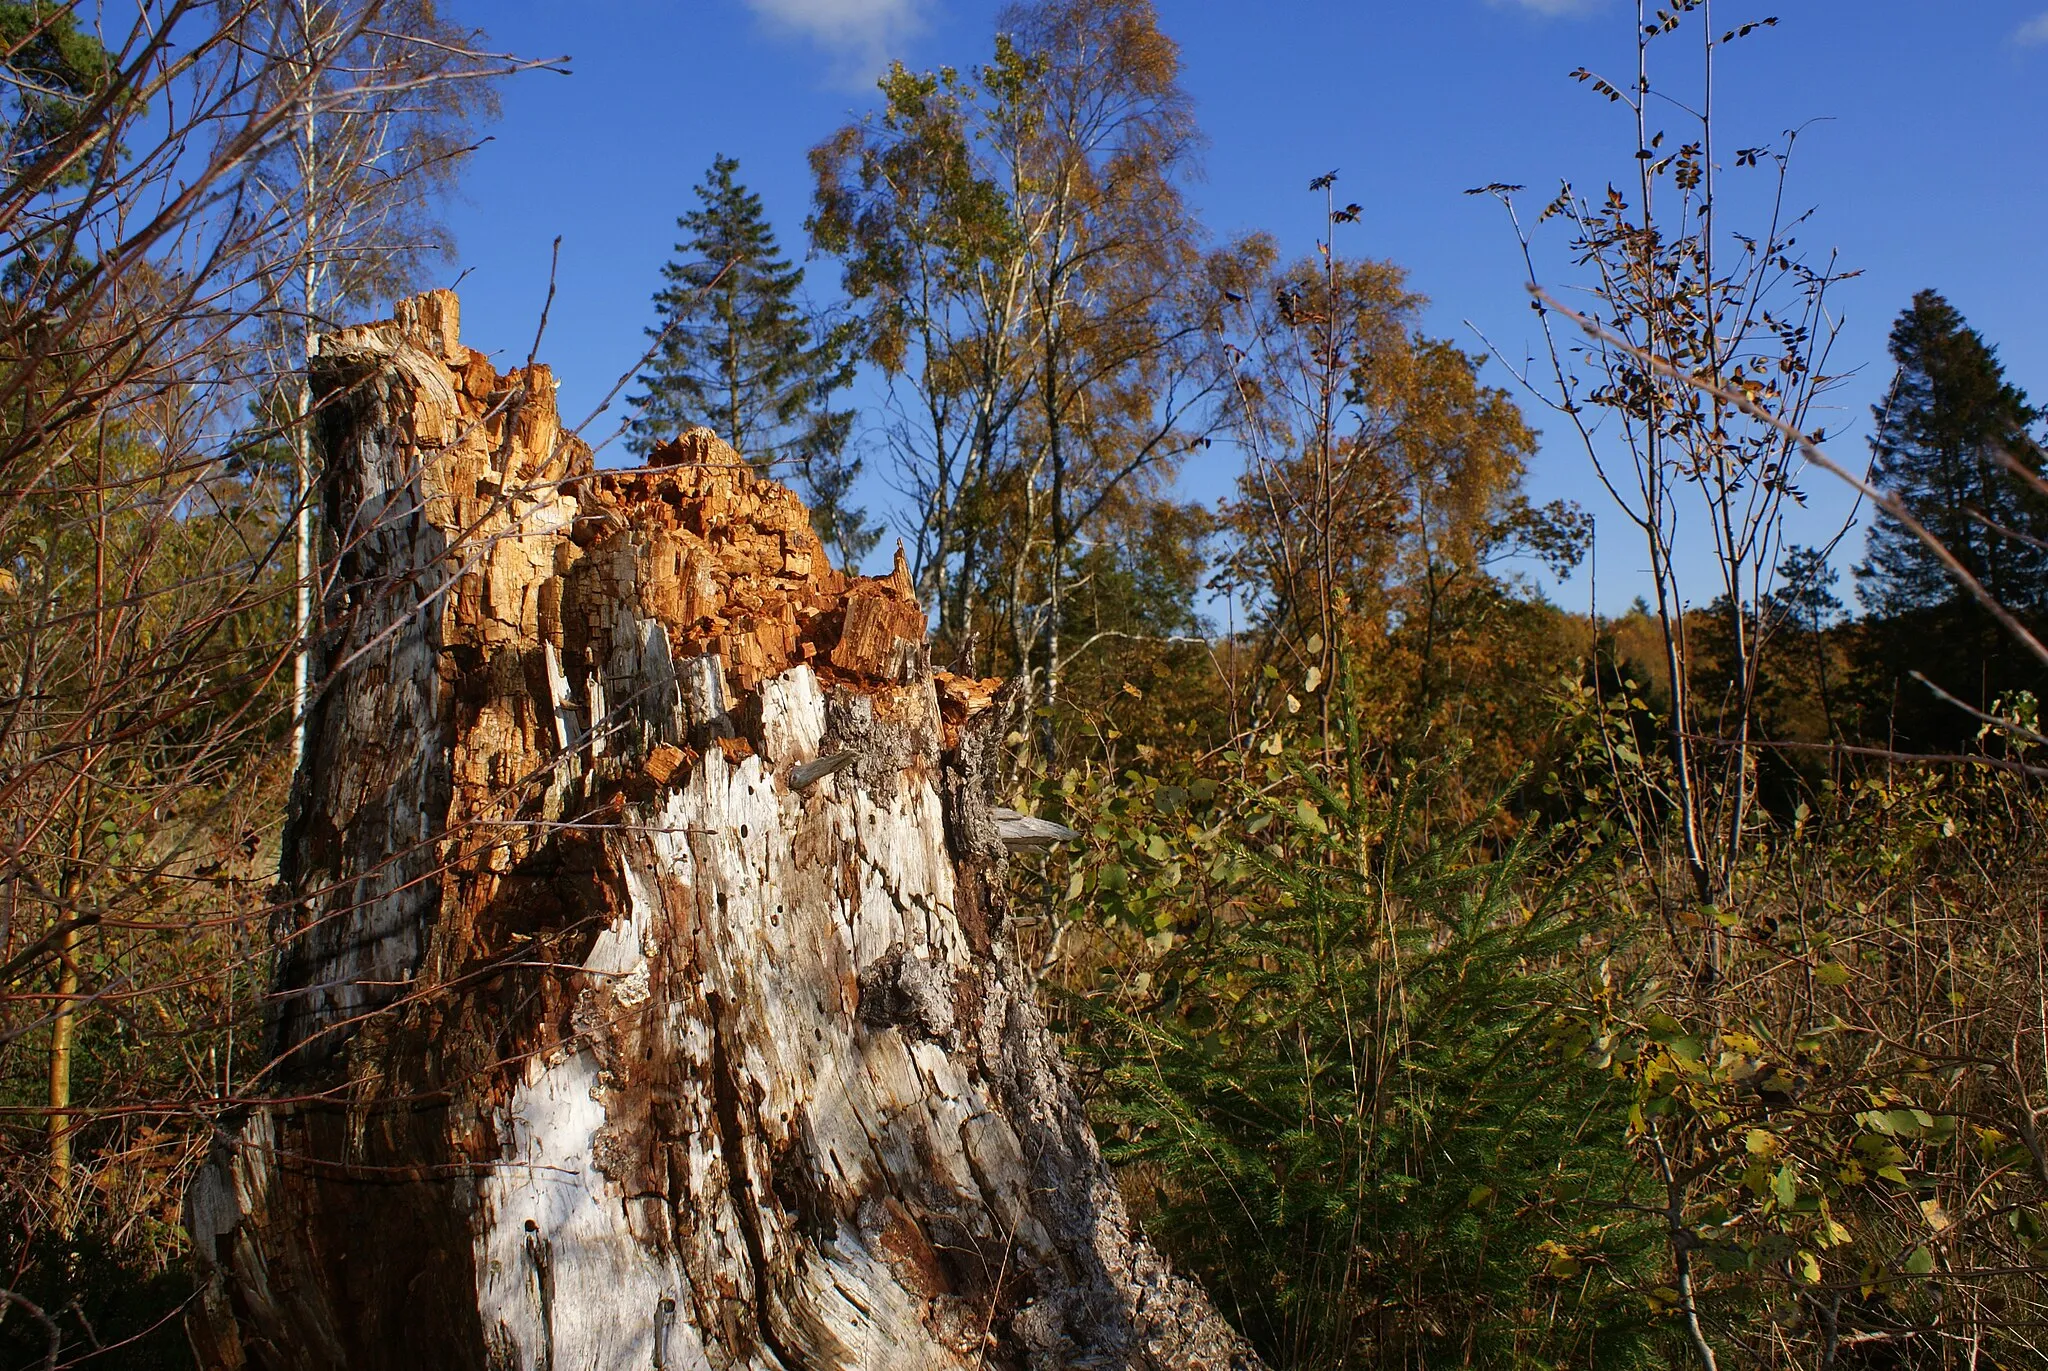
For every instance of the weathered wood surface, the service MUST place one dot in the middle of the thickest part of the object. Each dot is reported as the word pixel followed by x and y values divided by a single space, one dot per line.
pixel 648 998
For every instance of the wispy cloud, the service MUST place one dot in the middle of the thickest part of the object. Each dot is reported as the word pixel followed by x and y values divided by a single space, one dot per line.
pixel 858 35
pixel 2033 33
pixel 1551 9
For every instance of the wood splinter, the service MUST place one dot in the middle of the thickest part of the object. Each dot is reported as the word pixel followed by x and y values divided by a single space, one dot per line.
pixel 1026 832
pixel 804 775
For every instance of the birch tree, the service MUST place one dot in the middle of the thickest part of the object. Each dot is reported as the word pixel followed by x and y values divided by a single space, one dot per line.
pixel 385 99
pixel 1036 281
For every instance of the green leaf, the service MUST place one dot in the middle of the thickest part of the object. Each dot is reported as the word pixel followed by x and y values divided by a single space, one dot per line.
pixel 1907 1123
pixel 1305 814
pixel 1921 1263
pixel 1831 973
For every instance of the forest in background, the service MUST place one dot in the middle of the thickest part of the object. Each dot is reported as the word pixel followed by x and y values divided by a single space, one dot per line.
pixel 1457 979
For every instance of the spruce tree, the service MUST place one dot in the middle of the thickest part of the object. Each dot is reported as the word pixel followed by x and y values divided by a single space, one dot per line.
pixel 1937 443
pixel 744 354
pixel 1937 447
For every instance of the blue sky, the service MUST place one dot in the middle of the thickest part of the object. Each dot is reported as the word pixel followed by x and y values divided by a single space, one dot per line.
pixel 1924 153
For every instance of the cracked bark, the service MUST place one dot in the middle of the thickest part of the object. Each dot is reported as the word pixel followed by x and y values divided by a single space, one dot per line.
pixel 647 996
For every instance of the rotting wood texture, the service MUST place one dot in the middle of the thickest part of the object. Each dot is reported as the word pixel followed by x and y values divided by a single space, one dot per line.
pixel 647 998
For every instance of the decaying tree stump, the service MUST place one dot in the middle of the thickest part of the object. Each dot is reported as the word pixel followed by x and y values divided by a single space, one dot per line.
pixel 647 999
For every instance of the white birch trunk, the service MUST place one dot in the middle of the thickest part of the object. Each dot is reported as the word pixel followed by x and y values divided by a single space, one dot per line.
pixel 648 999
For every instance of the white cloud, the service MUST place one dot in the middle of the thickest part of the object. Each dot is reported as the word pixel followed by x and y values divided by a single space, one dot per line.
pixel 860 35
pixel 1552 9
pixel 2033 33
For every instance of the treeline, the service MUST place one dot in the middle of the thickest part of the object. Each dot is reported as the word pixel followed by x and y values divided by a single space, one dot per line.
pixel 1055 337
pixel 1460 980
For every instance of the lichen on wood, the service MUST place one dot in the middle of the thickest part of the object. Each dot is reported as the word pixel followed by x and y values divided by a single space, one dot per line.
pixel 647 997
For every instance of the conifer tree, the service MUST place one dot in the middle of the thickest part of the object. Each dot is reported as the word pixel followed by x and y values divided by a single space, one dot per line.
pixel 1938 444
pixel 53 70
pixel 744 354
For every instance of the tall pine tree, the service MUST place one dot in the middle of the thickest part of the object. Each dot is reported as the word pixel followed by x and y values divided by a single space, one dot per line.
pixel 744 354
pixel 1937 447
